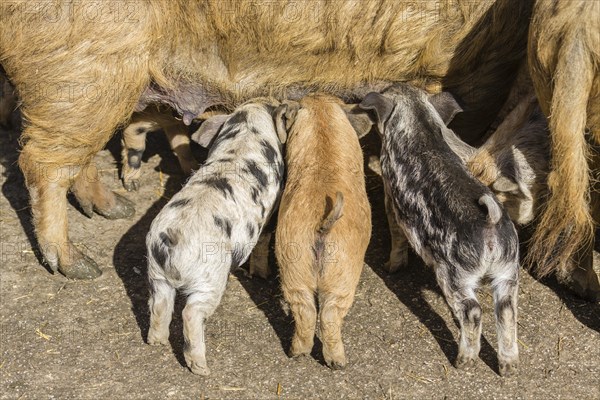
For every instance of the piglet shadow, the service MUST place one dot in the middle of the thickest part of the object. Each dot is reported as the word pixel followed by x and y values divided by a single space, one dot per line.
pixel 129 257
pixel 410 283
pixel 267 296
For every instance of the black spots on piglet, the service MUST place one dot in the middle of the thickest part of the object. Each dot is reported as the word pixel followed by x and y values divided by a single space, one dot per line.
pixel 240 117
pixel 504 308
pixel 260 176
pixel 160 249
pixel 255 194
pixel 472 311
pixel 169 238
pixel 263 210
pixel 268 151
pixel 237 255
pixel 221 184
pixel 159 253
pixel 224 224
pixel 251 230
pixel 228 134
pixel 179 203
pixel 134 157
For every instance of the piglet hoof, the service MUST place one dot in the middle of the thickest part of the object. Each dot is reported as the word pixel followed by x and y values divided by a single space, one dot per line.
pixel 155 339
pixel 391 268
pixel 398 259
pixel 335 357
pixel 464 361
pixel 87 208
pixel 508 369
pixel 132 185
pixel 298 357
pixel 123 208
pixel 197 367
pixel 83 268
pixel 336 365
pixel 264 273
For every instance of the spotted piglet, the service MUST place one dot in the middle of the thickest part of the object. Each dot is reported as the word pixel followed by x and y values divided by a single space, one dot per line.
pixel 212 224
pixel 451 220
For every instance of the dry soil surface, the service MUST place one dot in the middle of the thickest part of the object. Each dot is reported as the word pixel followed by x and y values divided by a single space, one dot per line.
pixel 66 339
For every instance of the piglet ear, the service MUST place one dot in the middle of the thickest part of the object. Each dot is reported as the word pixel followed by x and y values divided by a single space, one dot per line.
pixel 446 106
pixel 359 119
pixel 381 105
pixel 285 116
pixel 504 184
pixel 209 129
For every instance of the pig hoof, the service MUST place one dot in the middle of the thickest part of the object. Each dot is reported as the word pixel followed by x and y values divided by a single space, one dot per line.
pixel 264 274
pixel 590 295
pixel 199 369
pixel 132 185
pixel 464 362
pixel 123 208
pixel 157 340
pixel 298 357
pixel 336 365
pixel 398 259
pixel 391 268
pixel 585 284
pixel 83 268
pixel 87 209
pixel 508 369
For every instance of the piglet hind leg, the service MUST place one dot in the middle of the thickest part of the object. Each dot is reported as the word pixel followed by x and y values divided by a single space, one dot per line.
pixel 133 144
pixel 399 242
pixel 505 305
pixel 304 311
pixel 200 305
pixel 179 140
pixel 333 309
pixel 466 309
pixel 162 299
pixel 259 259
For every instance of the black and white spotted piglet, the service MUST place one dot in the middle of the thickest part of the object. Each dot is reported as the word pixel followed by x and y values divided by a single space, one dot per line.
pixel 212 224
pixel 452 221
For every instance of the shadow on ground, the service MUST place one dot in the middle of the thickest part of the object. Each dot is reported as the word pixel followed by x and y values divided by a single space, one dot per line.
pixel 14 189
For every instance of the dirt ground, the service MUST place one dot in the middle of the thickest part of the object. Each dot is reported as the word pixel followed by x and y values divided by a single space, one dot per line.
pixel 66 339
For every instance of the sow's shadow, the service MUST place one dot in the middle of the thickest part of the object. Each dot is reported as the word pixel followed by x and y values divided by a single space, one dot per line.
pixel 13 188
pixel 410 282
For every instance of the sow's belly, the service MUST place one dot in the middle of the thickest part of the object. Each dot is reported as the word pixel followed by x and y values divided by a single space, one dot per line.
pixel 473 52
